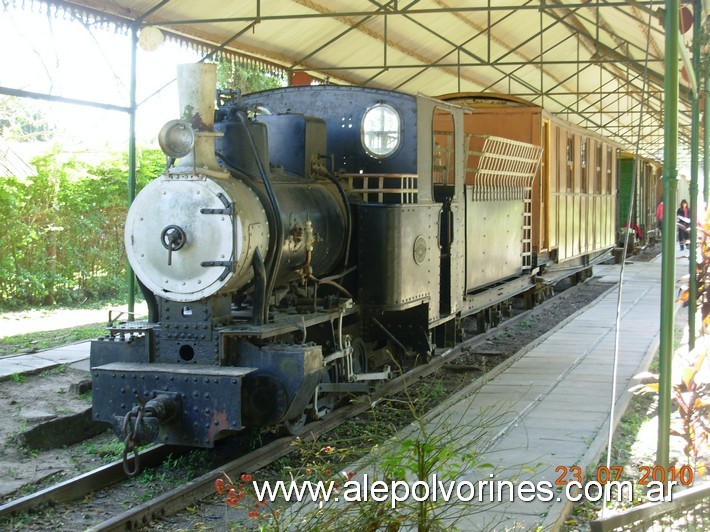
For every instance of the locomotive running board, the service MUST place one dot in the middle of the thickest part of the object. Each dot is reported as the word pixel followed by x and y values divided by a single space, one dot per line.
pixel 286 323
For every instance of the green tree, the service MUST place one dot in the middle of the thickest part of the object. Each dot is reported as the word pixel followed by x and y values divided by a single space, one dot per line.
pixel 247 78
pixel 24 120
pixel 62 235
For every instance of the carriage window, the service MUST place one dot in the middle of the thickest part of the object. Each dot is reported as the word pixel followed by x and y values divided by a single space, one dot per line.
pixel 609 175
pixel 570 164
pixel 598 165
pixel 585 166
pixel 381 130
pixel 558 169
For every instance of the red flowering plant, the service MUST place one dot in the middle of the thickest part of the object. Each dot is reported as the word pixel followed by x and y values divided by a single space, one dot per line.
pixel 241 495
pixel 317 484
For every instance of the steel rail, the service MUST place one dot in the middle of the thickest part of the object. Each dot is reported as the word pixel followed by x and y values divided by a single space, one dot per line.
pixel 85 483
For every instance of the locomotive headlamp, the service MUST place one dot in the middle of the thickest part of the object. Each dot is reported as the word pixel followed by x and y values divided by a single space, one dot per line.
pixel 177 138
pixel 380 130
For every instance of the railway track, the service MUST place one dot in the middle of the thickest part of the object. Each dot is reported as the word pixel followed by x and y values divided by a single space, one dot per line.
pixel 201 487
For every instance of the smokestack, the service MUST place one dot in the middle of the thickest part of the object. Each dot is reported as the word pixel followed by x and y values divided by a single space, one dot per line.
pixel 196 94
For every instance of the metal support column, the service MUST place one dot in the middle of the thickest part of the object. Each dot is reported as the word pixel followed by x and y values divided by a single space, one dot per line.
pixel 670 185
pixel 706 139
pixel 694 168
pixel 132 161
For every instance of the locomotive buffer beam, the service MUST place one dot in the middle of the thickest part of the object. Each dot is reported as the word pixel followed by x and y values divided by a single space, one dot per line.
pixel 192 404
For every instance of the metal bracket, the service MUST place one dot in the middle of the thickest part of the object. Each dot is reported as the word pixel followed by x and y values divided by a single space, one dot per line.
pixel 223 263
pixel 380 376
pixel 228 207
pixel 226 264
pixel 343 387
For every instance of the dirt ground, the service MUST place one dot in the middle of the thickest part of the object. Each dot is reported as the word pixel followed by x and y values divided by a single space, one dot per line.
pixel 27 402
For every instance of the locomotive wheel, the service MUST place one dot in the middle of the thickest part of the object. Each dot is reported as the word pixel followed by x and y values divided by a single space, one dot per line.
pixel 360 356
pixel 529 299
pixel 295 426
pixel 323 403
pixel 507 309
pixel 495 316
pixel 543 294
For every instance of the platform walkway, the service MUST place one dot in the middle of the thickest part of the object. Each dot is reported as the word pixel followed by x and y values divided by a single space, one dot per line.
pixel 553 403
pixel 76 355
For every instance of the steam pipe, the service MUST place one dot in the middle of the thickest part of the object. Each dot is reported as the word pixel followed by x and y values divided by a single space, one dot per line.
pixel 130 276
pixel 278 223
pixel 259 299
pixel 151 301
pixel 694 168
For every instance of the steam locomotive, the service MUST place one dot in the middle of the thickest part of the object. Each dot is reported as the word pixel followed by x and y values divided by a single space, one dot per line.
pixel 306 243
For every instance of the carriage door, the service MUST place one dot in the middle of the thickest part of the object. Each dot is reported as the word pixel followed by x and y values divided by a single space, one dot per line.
pixel 443 166
pixel 543 187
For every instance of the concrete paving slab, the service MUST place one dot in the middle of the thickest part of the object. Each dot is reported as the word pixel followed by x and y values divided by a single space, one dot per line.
pixel 62 358
pixel 46 359
pixel 27 364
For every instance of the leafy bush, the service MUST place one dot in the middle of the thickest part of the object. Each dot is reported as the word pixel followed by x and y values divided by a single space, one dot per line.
pixel 62 230
pixel 247 78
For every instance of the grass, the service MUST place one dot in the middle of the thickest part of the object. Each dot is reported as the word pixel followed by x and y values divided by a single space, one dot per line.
pixel 61 369
pixel 108 448
pixel 36 341
pixel 174 472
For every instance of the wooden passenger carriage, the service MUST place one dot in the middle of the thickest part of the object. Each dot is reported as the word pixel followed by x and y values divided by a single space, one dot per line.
pixel 574 193
pixel 640 198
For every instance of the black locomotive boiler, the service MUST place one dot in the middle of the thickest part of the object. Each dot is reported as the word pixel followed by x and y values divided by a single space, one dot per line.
pixel 303 244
